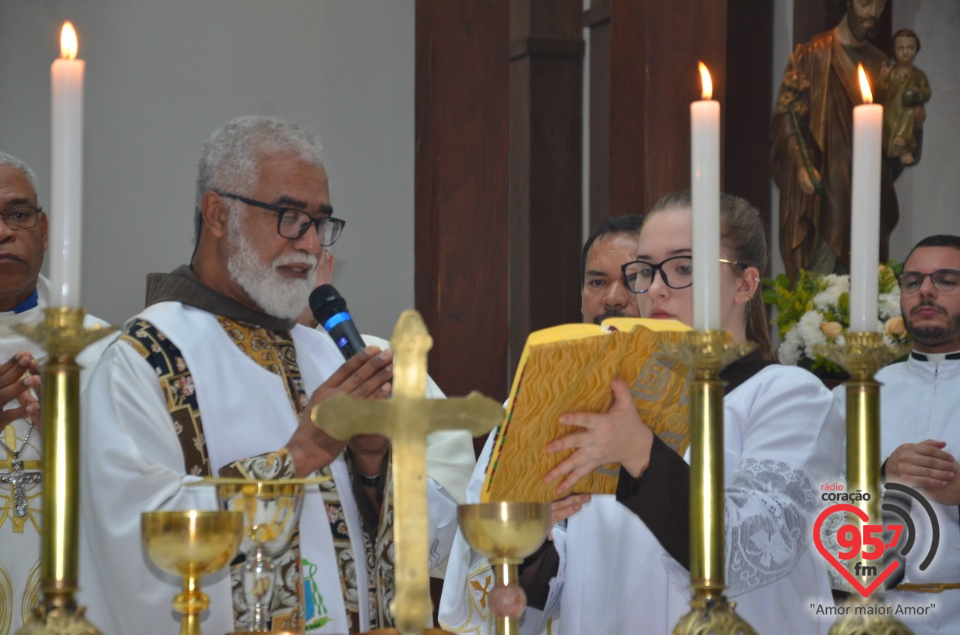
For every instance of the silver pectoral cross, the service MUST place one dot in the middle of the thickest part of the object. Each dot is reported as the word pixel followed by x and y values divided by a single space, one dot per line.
pixel 18 478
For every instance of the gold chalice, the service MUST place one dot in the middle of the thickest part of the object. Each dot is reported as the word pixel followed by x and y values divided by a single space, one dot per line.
pixel 271 513
pixel 505 533
pixel 190 544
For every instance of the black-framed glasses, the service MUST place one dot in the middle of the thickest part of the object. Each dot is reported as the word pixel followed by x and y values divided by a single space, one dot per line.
pixel 677 273
pixel 943 280
pixel 21 217
pixel 294 223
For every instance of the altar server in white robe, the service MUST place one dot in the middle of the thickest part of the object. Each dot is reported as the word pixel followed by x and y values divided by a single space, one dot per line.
pixel 920 433
pixel 24 294
pixel 619 564
pixel 215 377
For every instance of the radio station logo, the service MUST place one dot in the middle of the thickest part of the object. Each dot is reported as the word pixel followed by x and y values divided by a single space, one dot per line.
pixel 872 553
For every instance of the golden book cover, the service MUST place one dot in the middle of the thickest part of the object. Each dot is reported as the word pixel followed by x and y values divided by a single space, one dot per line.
pixel 569 368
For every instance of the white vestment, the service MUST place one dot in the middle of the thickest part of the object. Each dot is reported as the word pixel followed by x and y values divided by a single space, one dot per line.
pixel 133 462
pixel 783 438
pixel 20 537
pixel 919 400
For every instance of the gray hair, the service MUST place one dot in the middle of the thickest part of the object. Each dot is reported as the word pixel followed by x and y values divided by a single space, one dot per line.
pixel 11 161
pixel 231 155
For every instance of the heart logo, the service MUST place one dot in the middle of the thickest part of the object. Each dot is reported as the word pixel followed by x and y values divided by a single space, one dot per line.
pixel 839 566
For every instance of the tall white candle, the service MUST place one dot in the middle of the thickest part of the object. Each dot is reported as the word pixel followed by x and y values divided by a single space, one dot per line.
pixel 705 192
pixel 66 181
pixel 865 210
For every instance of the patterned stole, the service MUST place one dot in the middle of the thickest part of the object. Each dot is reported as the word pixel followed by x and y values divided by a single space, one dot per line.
pixel 274 351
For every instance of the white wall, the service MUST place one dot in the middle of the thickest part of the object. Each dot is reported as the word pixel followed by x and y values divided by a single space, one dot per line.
pixel 162 75
pixel 928 193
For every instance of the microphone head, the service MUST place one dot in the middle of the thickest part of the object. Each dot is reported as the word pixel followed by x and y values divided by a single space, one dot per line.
pixel 325 302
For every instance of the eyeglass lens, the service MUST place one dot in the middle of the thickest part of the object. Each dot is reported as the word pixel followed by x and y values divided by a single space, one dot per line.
pixel 294 224
pixel 943 280
pixel 677 273
pixel 20 217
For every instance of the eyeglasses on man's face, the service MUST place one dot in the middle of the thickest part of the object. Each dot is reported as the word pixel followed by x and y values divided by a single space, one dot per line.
pixel 294 223
pixel 677 273
pixel 944 280
pixel 21 217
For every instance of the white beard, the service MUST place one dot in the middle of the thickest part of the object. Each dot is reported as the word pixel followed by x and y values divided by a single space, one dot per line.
pixel 276 294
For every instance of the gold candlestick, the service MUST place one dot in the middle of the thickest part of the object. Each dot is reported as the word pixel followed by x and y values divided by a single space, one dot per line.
pixel 862 356
pixel 706 353
pixel 63 336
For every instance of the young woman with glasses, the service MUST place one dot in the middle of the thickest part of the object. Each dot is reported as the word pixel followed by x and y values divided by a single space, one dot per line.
pixel 621 564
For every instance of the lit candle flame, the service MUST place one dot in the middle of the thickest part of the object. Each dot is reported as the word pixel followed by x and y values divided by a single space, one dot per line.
pixel 68 42
pixel 864 85
pixel 706 81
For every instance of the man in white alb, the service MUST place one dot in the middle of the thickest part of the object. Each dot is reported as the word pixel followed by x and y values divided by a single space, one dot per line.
pixel 216 377
pixel 920 433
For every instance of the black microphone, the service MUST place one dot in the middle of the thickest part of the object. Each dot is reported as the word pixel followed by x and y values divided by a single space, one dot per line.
pixel 330 310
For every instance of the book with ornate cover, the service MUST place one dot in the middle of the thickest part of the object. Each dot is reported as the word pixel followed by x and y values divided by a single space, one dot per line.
pixel 569 368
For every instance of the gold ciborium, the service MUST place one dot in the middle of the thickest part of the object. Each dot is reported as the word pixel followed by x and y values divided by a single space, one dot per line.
pixel 190 544
pixel 505 533
pixel 271 512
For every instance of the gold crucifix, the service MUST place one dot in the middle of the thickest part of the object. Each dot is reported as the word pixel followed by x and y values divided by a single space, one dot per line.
pixel 406 418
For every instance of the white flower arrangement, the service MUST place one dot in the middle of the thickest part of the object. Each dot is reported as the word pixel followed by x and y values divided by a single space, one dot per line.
pixel 816 311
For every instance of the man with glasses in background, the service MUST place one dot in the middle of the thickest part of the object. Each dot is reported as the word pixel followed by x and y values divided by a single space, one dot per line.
pixel 24 293
pixel 602 291
pixel 920 432
pixel 214 378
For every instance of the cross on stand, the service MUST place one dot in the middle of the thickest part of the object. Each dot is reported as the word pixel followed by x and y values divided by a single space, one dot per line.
pixel 406 418
pixel 18 478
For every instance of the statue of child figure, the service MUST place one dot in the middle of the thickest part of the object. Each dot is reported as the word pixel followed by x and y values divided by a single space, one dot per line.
pixel 906 89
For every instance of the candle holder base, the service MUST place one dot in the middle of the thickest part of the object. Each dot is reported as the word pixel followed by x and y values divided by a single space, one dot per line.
pixel 857 622
pixel 712 616
pixel 57 619
pixel 706 353
pixel 62 333
pixel 863 353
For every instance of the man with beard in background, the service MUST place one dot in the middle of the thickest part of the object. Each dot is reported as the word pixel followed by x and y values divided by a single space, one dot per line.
pixel 812 142
pixel 603 291
pixel 215 377
pixel 919 433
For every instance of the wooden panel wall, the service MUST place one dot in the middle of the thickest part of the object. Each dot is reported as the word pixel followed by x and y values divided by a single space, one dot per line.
pixel 651 49
pixel 546 140
pixel 499 150
pixel 462 106
pixel 498 180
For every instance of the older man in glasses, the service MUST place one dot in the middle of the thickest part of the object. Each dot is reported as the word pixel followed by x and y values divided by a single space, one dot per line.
pixel 24 293
pixel 920 432
pixel 216 378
